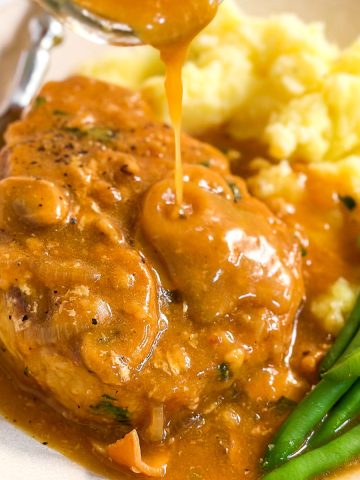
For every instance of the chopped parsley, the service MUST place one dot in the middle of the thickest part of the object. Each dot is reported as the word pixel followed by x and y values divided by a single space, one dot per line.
pixel 60 113
pixel 303 250
pixel 39 101
pixel 101 134
pixel 98 134
pixel 106 407
pixel 78 132
pixel 224 372
pixel 236 191
pixel 348 201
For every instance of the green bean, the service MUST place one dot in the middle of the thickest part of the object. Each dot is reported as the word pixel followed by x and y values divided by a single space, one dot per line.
pixel 348 363
pixel 324 459
pixel 353 345
pixel 343 339
pixel 348 367
pixel 295 430
pixel 347 408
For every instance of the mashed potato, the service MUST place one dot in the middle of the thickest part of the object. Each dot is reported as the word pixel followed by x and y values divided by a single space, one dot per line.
pixel 333 307
pixel 281 86
pixel 277 81
pixel 282 181
pixel 276 181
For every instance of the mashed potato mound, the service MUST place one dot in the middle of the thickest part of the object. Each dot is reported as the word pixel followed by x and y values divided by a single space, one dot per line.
pixel 282 181
pixel 276 181
pixel 277 81
pixel 333 307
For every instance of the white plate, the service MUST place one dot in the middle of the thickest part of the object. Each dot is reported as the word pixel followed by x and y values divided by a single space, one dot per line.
pixel 20 456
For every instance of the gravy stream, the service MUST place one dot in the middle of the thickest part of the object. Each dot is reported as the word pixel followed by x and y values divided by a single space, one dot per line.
pixel 170 28
pixel 174 59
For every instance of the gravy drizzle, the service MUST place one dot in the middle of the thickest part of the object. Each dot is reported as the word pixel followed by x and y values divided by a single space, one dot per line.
pixel 174 59
pixel 169 27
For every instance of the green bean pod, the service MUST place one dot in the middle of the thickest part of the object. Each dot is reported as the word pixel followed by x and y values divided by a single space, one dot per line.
pixel 353 345
pixel 321 460
pixel 343 339
pixel 347 408
pixel 297 427
pixel 348 367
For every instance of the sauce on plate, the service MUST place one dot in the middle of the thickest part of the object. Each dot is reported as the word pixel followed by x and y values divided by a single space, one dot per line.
pixel 119 313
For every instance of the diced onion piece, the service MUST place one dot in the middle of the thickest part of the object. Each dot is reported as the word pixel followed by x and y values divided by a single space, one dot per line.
pixel 127 452
pixel 156 427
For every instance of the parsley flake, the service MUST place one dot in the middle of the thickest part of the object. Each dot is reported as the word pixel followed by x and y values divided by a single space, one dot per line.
pixel 235 191
pixel 224 372
pixel 39 101
pixel 106 407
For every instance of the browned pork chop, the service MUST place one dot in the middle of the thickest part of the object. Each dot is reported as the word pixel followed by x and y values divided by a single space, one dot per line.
pixel 113 303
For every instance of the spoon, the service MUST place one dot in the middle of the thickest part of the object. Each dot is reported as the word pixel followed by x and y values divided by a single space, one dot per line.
pixel 44 33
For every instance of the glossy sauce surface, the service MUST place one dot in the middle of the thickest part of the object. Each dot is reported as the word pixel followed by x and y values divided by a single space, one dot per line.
pixel 119 313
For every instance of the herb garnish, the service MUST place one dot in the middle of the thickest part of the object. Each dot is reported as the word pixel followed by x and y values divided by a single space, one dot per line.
pixel 78 132
pixel 236 191
pixel 98 134
pixel 39 101
pixel 60 113
pixel 101 134
pixel 224 372
pixel 348 201
pixel 106 407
